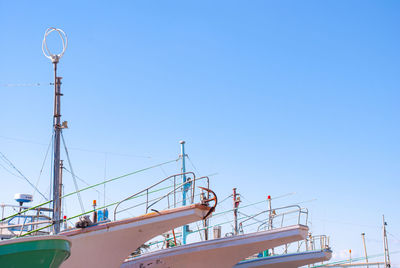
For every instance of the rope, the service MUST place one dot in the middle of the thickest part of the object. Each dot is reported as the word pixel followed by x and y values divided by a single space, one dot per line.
pixel 352 260
pixel 44 161
pixel 192 164
pixel 84 213
pixel 72 173
pixel 5 159
pixel 90 187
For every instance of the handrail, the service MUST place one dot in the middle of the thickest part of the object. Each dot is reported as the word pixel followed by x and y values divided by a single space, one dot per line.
pixel 272 214
pixel 148 188
pixel 87 188
pixel 323 242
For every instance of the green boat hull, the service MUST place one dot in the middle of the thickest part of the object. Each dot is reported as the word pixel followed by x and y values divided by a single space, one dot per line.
pixel 35 252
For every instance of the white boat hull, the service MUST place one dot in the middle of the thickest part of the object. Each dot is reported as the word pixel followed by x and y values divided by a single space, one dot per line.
pixel 109 244
pixel 221 253
pixel 288 260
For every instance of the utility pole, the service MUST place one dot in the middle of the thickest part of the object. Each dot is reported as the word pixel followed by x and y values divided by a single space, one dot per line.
pixel 385 244
pixel 57 127
pixel 365 248
pixel 236 202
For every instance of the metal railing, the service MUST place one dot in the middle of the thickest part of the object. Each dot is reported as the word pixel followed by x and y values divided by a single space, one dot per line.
pixel 317 242
pixel 277 218
pixel 310 243
pixel 176 188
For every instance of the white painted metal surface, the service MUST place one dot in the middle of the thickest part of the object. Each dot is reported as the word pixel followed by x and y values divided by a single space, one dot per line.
pixel 221 253
pixel 109 244
pixel 293 260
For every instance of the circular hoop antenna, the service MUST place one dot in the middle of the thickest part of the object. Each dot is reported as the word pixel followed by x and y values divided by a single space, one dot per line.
pixel 54 57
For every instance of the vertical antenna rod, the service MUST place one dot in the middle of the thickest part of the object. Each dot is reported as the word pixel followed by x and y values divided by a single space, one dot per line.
pixel 270 227
pixel 385 244
pixel 184 189
pixel 365 248
pixel 57 127
pixel 236 201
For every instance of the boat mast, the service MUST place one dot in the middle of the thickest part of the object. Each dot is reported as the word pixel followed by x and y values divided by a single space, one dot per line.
pixel 385 243
pixel 236 201
pixel 270 218
pixel 184 189
pixel 57 127
pixel 365 248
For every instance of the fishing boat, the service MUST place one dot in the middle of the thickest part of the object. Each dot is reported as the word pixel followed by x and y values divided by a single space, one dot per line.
pixel 222 252
pixel 108 244
pixel 100 241
pixel 34 252
pixel 314 249
pixel 228 251
pixel 292 260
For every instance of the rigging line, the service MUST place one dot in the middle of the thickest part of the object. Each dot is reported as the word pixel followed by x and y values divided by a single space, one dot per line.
pixel 163 171
pixel 19 172
pixel 72 173
pixel 26 85
pixel 76 176
pixel 392 235
pixel 44 161
pixel 76 148
pixel 347 223
pixel 51 169
pixel 6 169
pixel 94 185
pixel 83 181
pixel 226 198
pixel 111 153
pixel 192 164
pixel 21 140
pixel 353 259
pixel 105 176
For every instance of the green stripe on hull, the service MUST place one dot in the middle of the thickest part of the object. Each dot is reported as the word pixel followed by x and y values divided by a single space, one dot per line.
pixel 36 253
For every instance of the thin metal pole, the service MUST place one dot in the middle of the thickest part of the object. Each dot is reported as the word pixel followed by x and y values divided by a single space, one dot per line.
pixel 270 218
pixel 236 202
pixel 184 189
pixel 350 254
pixel 105 176
pixel 56 124
pixel 365 248
pixel 385 243
pixel 61 188
pixel 56 167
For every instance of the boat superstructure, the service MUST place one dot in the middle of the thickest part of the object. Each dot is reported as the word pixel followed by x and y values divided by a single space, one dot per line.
pixel 228 251
pixel 119 238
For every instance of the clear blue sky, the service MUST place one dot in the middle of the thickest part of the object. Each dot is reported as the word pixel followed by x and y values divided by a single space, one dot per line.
pixel 275 96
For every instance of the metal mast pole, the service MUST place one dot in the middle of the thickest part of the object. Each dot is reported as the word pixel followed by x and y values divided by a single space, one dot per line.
pixel 385 243
pixel 56 124
pixel 57 146
pixel 61 189
pixel 350 255
pixel 365 248
pixel 270 227
pixel 184 189
pixel 236 201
